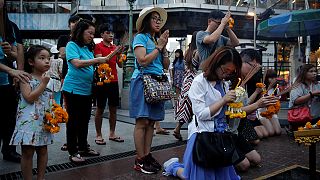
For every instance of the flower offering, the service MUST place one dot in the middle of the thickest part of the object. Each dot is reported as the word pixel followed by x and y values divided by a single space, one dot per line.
pixel 309 126
pixel 104 72
pixel 53 117
pixel 122 58
pixel 234 108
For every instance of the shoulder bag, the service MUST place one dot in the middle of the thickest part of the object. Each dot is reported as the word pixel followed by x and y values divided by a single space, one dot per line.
pixel 299 114
pixel 214 150
pixel 156 88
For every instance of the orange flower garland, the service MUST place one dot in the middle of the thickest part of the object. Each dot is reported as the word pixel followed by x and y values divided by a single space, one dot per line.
pixel 263 87
pixel 122 58
pixel 272 109
pixel 309 126
pixel 104 72
pixel 54 116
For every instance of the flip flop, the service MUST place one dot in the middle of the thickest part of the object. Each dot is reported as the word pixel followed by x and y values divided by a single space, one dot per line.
pixel 116 139
pixel 163 132
pixel 64 147
pixel 177 136
pixel 100 141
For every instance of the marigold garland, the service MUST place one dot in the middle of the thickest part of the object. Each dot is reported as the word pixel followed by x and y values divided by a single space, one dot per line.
pixel 54 116
pixel 309 126
pixel 271 110
pixel 122 58
pixel 104 73
pixel 263 87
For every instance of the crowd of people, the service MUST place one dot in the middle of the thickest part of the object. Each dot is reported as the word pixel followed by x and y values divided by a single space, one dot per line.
pixel 204 82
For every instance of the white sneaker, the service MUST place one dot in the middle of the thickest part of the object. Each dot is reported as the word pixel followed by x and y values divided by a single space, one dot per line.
pixel 168 169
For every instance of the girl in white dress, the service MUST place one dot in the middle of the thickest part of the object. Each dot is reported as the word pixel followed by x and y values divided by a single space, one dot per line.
pixel 34 101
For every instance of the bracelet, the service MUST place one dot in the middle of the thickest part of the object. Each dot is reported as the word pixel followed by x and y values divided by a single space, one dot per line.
pixel 311 95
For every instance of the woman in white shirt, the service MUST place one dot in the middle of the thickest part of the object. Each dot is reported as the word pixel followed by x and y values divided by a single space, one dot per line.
pixel 209 94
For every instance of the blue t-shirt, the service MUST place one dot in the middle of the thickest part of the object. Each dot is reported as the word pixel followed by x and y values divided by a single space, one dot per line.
pixel 78 80
pixel 3 75
pixel 155 67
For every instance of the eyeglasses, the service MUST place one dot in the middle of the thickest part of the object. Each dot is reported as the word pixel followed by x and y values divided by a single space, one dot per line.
pixel 250 64
pixel 157 19
pixel 226 73
pixel 218 22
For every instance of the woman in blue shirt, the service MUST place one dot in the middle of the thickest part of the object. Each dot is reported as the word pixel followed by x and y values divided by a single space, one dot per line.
pixel 77 89
pixel 151 58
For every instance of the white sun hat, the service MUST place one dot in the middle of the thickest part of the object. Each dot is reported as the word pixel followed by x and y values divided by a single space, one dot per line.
pixel 54 50
pixel 144 12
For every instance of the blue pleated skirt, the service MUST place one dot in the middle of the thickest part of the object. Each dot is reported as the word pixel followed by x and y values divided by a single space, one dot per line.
pixel 192 171
pixel 139 108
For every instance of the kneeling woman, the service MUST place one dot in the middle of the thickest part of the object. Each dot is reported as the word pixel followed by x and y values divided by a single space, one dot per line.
pixel 209 94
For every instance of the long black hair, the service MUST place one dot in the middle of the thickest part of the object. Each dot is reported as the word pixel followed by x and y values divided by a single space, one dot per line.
pixel 77 33
pixel 180 58
pixel 190 51
pixel 30 55
pixel 301 78
pixel 9 34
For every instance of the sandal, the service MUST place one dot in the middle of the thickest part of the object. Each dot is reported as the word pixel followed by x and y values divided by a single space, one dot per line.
pixel 76 158
pixel 89 152
pixel 64 147
pixel 100 141
pixel 177 136
pixel 116 139
pixel 163 132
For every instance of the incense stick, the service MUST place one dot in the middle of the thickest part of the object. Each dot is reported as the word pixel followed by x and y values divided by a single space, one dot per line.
pixel 252 72
pixel 265 70
pixel 288 89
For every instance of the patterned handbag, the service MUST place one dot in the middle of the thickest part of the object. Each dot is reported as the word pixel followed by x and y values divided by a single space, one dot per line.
pixel 156 88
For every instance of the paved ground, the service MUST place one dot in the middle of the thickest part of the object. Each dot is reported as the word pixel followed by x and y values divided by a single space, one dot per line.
pixel 277 153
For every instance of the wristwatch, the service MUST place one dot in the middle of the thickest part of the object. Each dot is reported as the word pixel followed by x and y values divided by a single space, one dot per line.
pixel 311 95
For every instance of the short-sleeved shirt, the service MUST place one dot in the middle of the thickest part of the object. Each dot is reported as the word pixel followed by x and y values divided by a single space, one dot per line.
pixel 4 77
pixel 302 90
pixel 104 50
pixel 78 80
pixel 205 50
pixel 155 67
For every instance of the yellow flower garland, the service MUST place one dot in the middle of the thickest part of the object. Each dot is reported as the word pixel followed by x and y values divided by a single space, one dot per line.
pixel 234 109
pixel 54 116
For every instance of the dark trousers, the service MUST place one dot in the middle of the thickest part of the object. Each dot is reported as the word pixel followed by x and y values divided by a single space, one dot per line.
pixel 79 110
pixel 8 110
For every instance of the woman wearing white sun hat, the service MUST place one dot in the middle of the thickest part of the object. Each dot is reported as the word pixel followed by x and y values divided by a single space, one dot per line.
pixel 150 53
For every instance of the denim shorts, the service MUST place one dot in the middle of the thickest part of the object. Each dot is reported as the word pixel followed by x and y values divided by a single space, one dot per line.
pixel 139 108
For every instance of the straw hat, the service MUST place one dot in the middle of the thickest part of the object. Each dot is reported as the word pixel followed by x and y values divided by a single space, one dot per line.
pixel 162 12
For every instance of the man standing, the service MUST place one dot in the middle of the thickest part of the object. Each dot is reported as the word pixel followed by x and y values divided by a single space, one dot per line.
pixel 211 39
pixel 109 91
